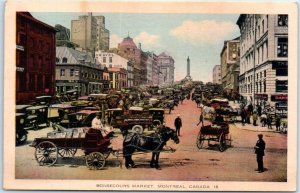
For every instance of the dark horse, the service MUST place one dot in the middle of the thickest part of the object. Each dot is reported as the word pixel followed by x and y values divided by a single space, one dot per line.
pixel 153 143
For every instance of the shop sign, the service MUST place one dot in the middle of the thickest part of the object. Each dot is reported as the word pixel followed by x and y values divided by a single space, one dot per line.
pixel 282 97
pixel 261 97
pixel 20 69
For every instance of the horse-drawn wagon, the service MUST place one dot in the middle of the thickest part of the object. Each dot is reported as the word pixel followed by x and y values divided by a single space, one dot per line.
pixel 218 133
pixel 65 142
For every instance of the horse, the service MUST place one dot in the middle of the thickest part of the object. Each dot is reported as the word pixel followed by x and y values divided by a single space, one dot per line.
pixel 153 143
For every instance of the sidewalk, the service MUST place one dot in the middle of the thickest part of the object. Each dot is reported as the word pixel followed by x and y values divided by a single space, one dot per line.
pixel 257 128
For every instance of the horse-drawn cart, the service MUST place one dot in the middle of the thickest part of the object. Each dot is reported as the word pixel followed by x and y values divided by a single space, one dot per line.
pixel 217 133
pixel 65 144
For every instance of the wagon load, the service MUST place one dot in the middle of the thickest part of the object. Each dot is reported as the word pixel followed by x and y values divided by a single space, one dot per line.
pixel 65 142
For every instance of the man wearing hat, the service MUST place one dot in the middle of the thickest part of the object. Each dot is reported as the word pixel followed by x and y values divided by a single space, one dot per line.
pixel 259 151
pixel 96 123
pixel 178 124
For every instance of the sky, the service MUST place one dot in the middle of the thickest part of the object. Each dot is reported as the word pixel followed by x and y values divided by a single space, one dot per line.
pixel 197 36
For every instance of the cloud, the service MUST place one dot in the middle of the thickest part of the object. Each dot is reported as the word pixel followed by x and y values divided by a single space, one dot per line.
pixel 207 31
pixel 114 40
pixel 148 41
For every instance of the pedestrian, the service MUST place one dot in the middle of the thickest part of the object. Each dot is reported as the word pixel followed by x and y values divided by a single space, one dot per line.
pixel 269 121
pixel 277 123
pixel 260 152
pixel 263 119
pixel 243 116
pixel 170 108
pixel 250 108
pixel 248 114
pixel 201 119
pixel 178 124
pixel 259 110
pixel 254 117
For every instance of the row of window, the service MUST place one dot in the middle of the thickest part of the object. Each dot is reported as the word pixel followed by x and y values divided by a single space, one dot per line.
pixel 261 87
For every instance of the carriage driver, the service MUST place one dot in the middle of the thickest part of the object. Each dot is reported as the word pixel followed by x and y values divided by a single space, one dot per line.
pixel 96 123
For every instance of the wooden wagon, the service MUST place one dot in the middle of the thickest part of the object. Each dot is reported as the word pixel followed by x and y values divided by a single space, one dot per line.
pixel 65 144
pixel 218 133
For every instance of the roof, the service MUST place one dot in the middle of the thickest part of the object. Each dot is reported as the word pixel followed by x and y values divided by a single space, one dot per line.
pixel 73 56
pixel 135 108
pixel 22 106
pixel 30 17
pixel 128 42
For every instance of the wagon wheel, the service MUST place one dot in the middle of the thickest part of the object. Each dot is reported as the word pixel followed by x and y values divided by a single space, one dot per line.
pixel 222 143
pixel 156 123
pixel 95 161
pixel 200 140
pixel 137 129
pixel 67 152
pixel 46 153
pixel 228 140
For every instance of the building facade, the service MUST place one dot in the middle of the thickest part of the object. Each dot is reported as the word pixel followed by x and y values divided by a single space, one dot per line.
pixel 230 62
pixel 63 37
pixel 77 70
pixel 89 32
pixel 166 69
pixel 217 74
pixel 264 58
pixel 35 58
pixel 152 69
pixel 128 49
pixel 118 78
pixel 111 60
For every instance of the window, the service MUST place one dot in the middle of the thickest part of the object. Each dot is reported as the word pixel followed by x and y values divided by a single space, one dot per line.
pixel 71 72
pixel 265 86
pixel 64 60
pixel 282 47
pixel 104 59
pixel 62 72
pixel 265 73
pixel 281 85
pixel 31 83
pixel 76 72
pixel 263 26
pixel 110 59
pixel 282 20
pixel 57 60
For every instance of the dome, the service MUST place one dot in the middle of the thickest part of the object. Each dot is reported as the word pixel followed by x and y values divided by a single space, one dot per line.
pixel 128 42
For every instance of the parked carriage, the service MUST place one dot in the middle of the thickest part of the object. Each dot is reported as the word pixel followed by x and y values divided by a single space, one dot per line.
pixel 65 143
pixel 218 133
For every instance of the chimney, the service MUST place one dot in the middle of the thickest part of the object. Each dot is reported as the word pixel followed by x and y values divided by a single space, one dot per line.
pixel 140 46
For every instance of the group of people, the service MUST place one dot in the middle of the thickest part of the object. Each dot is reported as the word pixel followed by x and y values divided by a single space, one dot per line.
pixel 266 119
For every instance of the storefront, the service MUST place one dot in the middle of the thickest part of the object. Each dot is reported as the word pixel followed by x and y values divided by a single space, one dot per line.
pixel 281 107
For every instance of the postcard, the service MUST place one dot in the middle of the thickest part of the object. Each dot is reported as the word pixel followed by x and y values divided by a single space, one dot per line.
pixel 150 96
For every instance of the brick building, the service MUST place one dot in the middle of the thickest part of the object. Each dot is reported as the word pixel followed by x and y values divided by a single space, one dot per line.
pixel 35 58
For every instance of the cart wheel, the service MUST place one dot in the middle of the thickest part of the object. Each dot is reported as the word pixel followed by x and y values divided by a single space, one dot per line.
pixel 67 152
pixel 46 153
pixel 137 129
pixel 222 143
pixel 156 123
pixel 200 140
pixel 228 140
pixel 95 161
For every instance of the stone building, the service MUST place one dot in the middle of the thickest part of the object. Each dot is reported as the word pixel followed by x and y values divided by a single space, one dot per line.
pixel 35 58
pixel 264 58
pixel 89 32
pixel 63 37
pixel 77 70
pixel 152 69
pixel 217 74
pixel 128 49
pixel 166 69
pixel 118 78
pixel 112 60
pixel 230 59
